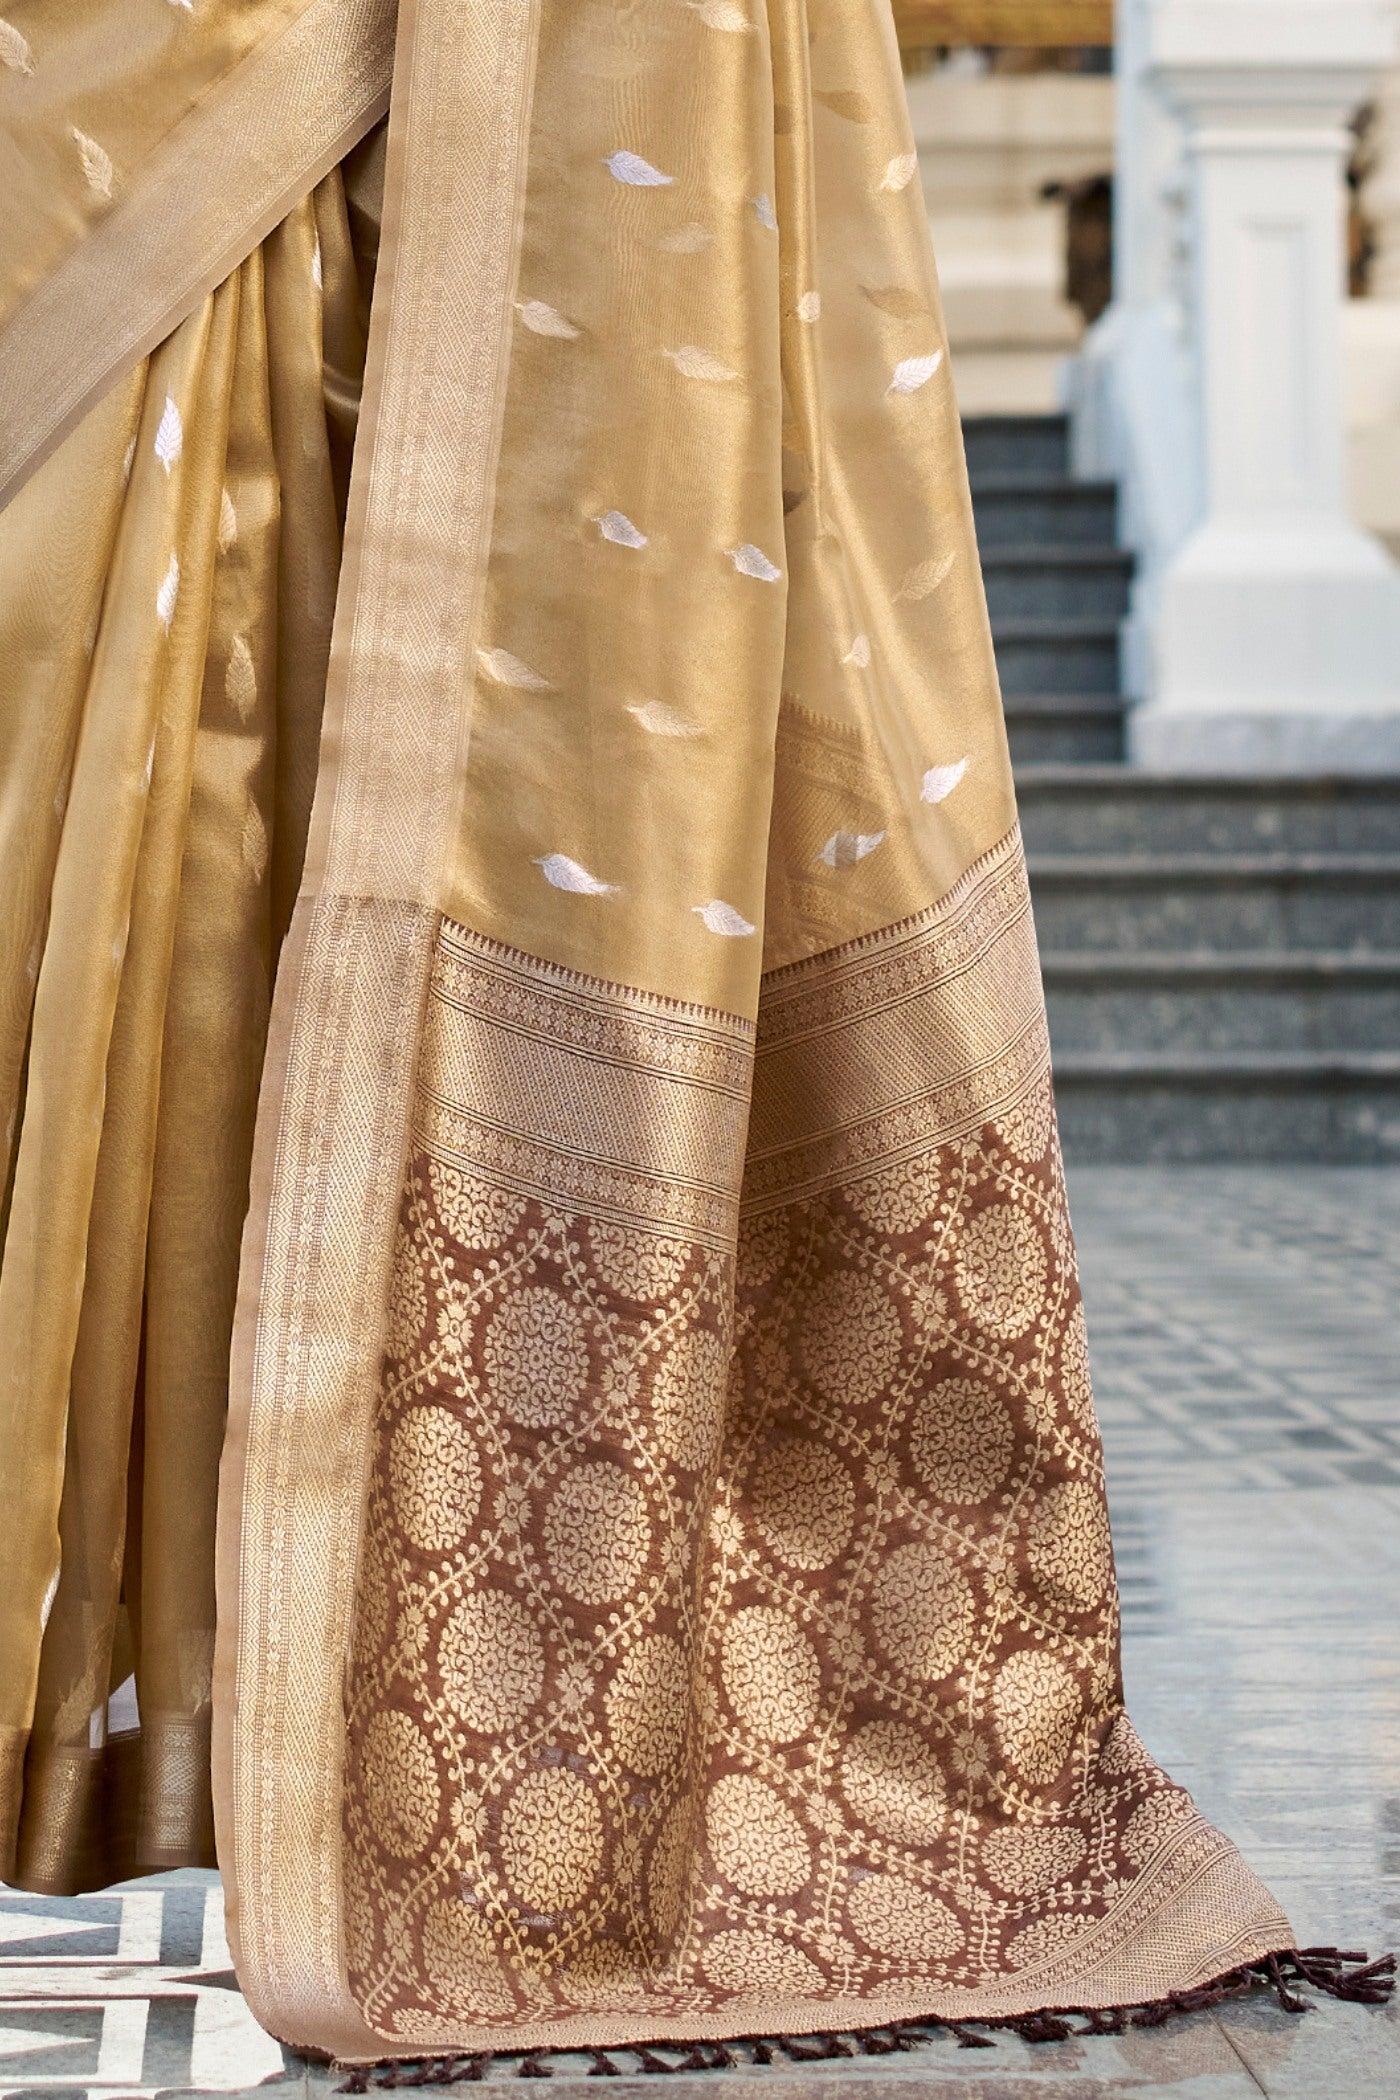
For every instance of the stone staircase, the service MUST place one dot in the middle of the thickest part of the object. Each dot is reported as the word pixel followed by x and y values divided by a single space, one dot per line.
pixel 1221 956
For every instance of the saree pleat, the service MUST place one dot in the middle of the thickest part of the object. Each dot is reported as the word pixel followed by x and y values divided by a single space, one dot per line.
pixel 166 684
pixel 123 1068
pixel 664 1586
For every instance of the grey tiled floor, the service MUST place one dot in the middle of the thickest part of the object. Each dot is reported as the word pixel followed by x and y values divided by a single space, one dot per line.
pixel 1245 1326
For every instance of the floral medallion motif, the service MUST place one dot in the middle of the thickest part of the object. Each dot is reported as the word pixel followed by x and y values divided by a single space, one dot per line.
pixel 434 1478
pixel 725 1646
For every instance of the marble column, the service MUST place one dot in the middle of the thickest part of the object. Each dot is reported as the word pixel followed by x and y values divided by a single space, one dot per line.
pixel 1277 634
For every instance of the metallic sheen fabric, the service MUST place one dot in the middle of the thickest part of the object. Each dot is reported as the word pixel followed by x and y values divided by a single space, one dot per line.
pixel 664 1586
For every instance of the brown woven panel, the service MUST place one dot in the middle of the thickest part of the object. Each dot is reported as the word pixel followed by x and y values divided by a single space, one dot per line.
pixel 737 1642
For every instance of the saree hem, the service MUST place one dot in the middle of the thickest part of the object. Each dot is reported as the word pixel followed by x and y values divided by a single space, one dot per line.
pixel 1122 1977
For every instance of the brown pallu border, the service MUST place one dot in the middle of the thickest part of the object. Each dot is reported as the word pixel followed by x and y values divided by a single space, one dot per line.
pixel 199 205
pixel 1195 1911
pixel 338 1081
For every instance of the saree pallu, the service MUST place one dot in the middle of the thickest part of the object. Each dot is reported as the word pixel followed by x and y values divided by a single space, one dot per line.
pixel 665 1587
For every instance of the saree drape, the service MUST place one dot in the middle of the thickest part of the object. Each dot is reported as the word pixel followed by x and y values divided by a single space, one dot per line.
pixel 664 1582
pixel 167 584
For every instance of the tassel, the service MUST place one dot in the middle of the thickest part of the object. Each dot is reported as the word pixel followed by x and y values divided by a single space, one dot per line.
pixel 1347 1976
pixel 1114 2021
pixel 966 2038
pixel 814 2048
pixel 1288 2000
pixel 1042 2027
pixel 650 2061
pixel 1335 1972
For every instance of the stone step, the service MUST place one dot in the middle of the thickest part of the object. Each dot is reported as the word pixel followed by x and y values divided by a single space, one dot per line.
pixel 1136 902
pixel 1343 1107
pixel 1035 583
pixel 1064 729
pixel 1206 1002
pixel 1115 809
pixel 1057 656
pixel 1018 510
pixel 1011 444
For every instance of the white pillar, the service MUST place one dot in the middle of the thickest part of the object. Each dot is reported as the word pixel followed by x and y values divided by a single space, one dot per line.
pixel 1134 416
pixel 1277 640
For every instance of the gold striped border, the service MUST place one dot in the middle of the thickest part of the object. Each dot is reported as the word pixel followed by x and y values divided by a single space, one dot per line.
pixel 1195 1913
pixel 847 1040
pixel 352 989
pixel 584 1095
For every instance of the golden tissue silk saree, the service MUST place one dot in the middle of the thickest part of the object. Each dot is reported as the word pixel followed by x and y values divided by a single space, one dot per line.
pixel 663 1577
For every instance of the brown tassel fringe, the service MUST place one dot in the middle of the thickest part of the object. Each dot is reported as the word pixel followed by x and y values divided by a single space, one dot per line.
pixel 1326 1969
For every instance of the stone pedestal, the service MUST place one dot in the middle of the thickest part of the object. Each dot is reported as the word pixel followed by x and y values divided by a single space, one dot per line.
pixel 1276 642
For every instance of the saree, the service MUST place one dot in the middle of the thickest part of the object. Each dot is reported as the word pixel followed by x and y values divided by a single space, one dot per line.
pixel 664 1586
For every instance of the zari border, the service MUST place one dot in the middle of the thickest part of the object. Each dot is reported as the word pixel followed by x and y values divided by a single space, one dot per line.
pixel 955 990
pixel 351 997
pixel 584 1095
pixel 1157 1942
pixel 216 187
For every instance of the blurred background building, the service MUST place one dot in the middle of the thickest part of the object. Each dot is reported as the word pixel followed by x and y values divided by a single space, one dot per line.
pixel 1169 242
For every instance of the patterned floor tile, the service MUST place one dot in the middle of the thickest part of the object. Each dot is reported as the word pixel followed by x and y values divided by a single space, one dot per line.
pixel 129 1993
